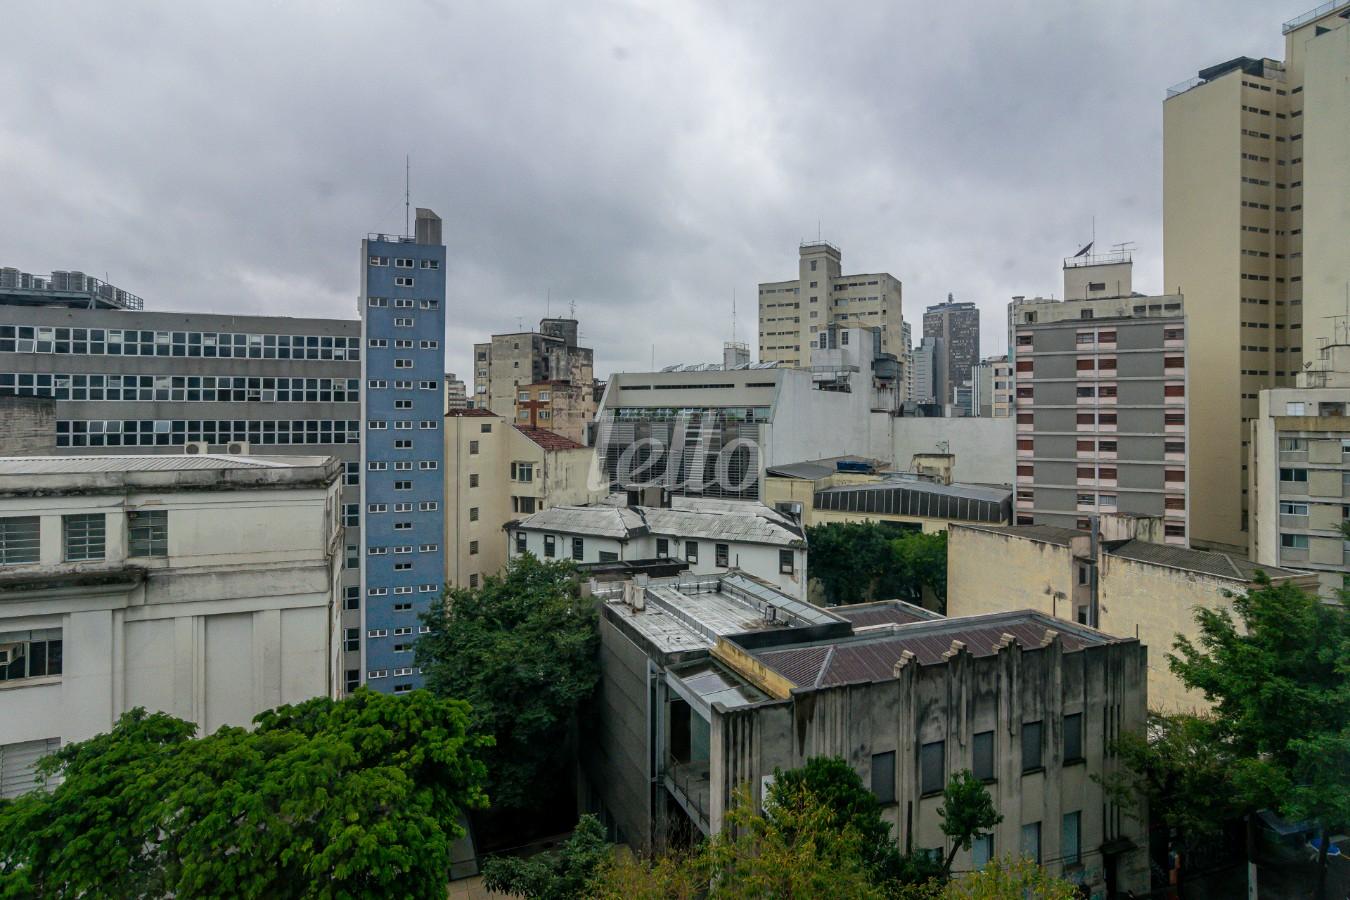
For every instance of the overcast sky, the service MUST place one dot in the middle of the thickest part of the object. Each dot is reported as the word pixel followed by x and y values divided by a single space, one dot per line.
pixel 643 160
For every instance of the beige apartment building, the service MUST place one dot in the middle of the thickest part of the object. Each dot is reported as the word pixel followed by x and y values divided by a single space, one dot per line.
pixel 508 361
pixel 558 406
pixel 996 388
pixel 1256 209
pixel 1131 587
pixel 1299 473
pixel 791 313
pixel 496 472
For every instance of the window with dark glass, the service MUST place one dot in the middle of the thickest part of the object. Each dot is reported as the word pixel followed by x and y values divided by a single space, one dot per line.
pixel 1073 737
pixel 932 767
pixel 550 546
pixel 722 554
pixel 148 533
pixel 883 777
pixel 691 551
pixel 578 549
pixel 1031 746
pixel 982 763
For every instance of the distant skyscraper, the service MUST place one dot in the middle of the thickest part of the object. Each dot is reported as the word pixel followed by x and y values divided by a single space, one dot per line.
pixel 958 324
pixel 403 453
pixel 1256 209
pixel 930 375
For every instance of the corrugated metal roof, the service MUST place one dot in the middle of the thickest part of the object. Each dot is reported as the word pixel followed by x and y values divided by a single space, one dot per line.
pixel 1221 565
pixel 887 612
pixel 469 412
pixel 922 499
pixel 75 465
pixel 872 657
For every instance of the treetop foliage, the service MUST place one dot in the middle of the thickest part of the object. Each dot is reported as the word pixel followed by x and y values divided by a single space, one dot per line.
pixel 357 798
pixel 523 651
pixel 860 561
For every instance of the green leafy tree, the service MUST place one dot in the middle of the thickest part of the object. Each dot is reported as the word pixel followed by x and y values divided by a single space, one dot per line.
pixel 831 784
pixel 859 561
pixel 796 851
pixel 967 811
pixel 357 798
pixel 1002 879
pixel 1278 676
pixel 565 874
pixel 522 650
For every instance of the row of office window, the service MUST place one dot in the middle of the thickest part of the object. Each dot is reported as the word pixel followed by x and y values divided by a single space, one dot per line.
pixel 209 344
pixel 380 384
pixel 403 343
pixel 177 432
pixel 401 303
pixel 402 425
pixel 375 550
pixel 405 262
pixel 181 388
pixel 84 536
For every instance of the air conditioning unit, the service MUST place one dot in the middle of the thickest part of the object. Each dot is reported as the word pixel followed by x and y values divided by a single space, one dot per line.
pixel 237 448
pixel 196 448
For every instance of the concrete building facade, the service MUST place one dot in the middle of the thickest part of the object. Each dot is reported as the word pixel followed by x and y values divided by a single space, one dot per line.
pixel 711 430
pixel 126 379
pixel 1101 401
pixel 562 407
pixel 1132 587
pixel 508 362
pixel 793 312
pixel 495 473
pixel 1256 205
pixel 204 586
pixel 708 685
pixel 402 553
pixel 456 396
pixel 1299 472
pixel 930 373
pixel 957 324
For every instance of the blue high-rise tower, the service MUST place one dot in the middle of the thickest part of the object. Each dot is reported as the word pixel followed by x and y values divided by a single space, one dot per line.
pixel 402 447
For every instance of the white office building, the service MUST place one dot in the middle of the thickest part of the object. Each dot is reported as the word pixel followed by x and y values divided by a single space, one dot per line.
pixel 203 586
pixel 712 535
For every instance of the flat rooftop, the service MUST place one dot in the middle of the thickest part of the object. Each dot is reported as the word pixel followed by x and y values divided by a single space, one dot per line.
pixel 45 475
pixel 686 517
pixel 692 613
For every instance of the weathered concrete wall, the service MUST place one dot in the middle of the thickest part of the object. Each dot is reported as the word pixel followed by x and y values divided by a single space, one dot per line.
pixel 29 427
pixel 952 702
pixel 991 572
pixel 614 749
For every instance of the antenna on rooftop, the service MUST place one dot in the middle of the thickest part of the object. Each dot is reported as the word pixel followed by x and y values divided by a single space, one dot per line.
pixel 407 193
pixel 733 315
pixel 571 309
pixel 548 303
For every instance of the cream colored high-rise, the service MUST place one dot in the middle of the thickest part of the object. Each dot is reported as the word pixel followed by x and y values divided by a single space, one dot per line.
pixel 1256 233
pixel 792 313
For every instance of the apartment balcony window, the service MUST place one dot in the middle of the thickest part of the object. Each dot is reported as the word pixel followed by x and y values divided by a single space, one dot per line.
pixel 1293 481
pixel 1086 394
pixel 1174 337
pixel 1174 505
pixel 30 654
pixel 1106 476
pixel 1174 532
pixel 1025 446
pixel 1026 471
pixel 1293 547
pixel 1174 423
pixel 1025 498
pixel 1087 502
pixel 1107 364
pixel 1174 365
pixel 1087 422
pixel 1087 449
pixel 1106 501
pixel 1106 449
pixel 1106 393
pixel 1025 421
pixel 1087 475
pixel 1293 515
pixel 1085 338
pixel 1174 451
pixel 1106 340
pixel 1174 394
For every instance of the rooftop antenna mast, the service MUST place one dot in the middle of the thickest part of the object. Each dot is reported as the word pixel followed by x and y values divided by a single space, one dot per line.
pixel 407 194
pixel 548 303
pixel 733 315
